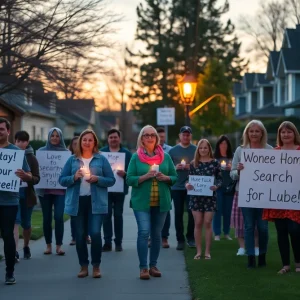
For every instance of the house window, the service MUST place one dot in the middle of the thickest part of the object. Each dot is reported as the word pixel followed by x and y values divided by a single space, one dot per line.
pixel 283 90
pixel 53 105
pixel 33 132
pixel 28 96
pixel 42 133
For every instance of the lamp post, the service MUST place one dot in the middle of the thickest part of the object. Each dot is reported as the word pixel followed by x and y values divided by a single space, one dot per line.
pixel 187 87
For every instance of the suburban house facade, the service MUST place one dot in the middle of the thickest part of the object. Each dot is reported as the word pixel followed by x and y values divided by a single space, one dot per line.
pixel 36 111
pixel 275 93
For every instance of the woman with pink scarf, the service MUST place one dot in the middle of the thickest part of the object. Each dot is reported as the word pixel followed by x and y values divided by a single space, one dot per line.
pixel 151 172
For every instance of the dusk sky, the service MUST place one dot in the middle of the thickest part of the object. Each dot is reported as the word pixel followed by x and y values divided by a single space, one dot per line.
pixel 128 9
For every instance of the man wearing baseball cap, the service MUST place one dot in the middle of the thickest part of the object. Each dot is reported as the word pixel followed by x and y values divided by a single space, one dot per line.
pixel 182 154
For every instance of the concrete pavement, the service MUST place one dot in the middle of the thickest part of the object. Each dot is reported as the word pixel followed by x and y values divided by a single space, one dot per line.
pixel 54 277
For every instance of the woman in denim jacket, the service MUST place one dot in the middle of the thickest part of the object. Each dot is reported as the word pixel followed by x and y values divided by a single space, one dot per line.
pixel 87 175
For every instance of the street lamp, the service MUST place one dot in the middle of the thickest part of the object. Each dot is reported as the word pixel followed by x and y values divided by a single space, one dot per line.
pixel 187 87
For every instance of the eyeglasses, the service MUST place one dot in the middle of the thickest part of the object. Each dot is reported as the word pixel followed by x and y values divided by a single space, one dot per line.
pixel 148 136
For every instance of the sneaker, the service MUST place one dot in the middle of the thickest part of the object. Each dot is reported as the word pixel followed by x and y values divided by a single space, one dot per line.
pixel 227 237
pixel 10 279
pixel 180 246
pixel 191 244
pixel 27 253
pixel 241 252
pixel 217 238
pixel 256 251
pixel 17 257
pixel 107 248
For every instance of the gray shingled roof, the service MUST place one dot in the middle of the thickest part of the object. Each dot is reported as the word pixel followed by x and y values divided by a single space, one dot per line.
pixel 291 58
pixel 294 37
pixel 237 88
pixel 249 79
pixel 261 79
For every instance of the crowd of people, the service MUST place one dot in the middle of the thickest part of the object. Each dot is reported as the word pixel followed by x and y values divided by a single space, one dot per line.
pixel 159 175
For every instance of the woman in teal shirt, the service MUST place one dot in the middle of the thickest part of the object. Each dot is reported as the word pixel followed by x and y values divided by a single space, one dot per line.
pixel 151 172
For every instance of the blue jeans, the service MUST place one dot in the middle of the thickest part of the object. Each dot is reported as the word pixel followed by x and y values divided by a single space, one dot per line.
pixel 224 207
pixel 47 202
pixel 151 221
pixel 116 204
pixel 84 218
pixel 73 229
pixel 252 219
pixel 165 231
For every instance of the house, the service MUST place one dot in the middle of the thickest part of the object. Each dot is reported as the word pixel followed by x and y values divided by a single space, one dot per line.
pixel 275 93
pixel 24 114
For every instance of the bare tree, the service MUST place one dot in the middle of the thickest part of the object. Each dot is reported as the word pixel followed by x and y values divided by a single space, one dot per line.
pixel 39 35
pixel 267 27
pixel 295 9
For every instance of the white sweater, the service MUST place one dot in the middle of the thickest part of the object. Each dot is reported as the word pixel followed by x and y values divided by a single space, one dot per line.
pixel 236 159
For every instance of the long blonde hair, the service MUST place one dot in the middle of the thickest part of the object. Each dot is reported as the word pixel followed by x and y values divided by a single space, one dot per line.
pixel 288 125
pixel 197 154
pixel 264 138
pixel 139 140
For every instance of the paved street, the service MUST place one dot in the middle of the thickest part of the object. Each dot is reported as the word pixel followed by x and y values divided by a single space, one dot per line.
pixel 54 277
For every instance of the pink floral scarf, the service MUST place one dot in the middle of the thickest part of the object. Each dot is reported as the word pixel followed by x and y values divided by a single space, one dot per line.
pixel 151 160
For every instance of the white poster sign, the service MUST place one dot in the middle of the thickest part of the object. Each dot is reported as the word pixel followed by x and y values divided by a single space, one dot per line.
pixel 51 164
pixel 270 179
pixel 10 161
pixel 165 116
pixel 201 185
pixel 117 162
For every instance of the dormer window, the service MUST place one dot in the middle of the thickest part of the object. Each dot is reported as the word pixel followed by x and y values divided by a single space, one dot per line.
pixel 28 96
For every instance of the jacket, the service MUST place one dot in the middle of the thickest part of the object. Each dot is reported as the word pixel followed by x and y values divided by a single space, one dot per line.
pixel 100 167
pixel 140 195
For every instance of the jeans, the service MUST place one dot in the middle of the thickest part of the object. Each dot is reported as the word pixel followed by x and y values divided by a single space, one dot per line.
pixel 252 219
pixel 286 227
pixel 149 222
pixel 25 213
pixel 81 221
pixel 165 231
pixel 7 222
pixel 73 229
pixel 116 204
pixel 224 207
pixel 181 199
pixel 47 203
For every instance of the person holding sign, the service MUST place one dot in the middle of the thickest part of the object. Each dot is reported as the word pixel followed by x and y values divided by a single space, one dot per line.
pixel 287 222
pixel 151 172
pixel 87 174
pixel 27 194
pixel 223 154
pixel 53 197
pixel 9 197
pixel 255 137
pixel 115 200
pixel 202 206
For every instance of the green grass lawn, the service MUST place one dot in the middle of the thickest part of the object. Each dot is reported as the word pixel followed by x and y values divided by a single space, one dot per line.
pixel 225 276
pixel 37 225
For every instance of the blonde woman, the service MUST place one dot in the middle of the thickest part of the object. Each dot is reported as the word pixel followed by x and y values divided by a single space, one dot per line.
pixel 151 172
pixel 287 221
pixel 255 137
pixel 203 207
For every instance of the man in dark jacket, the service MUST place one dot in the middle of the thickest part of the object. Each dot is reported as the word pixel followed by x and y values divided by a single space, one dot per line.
pixel 28 197
pixel 115 200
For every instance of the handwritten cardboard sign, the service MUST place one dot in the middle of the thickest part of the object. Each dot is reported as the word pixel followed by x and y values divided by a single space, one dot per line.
pixel 51 164
pixel 10 161
pixel 201 185
pixel 117 162
pixel 270 179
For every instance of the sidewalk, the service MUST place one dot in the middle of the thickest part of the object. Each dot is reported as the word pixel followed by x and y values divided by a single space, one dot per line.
pixel 54 277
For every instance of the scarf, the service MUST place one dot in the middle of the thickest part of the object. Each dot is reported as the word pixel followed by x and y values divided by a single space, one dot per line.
pixel 151 160
pixel 50 147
